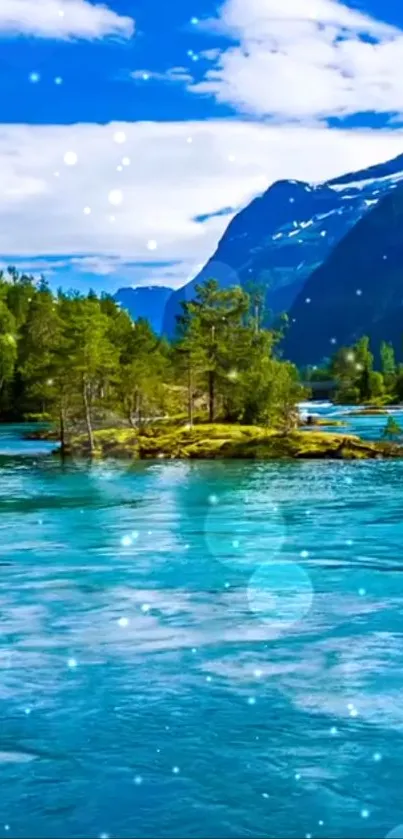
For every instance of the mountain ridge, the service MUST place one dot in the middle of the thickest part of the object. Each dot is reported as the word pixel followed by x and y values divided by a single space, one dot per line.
pixel 281 237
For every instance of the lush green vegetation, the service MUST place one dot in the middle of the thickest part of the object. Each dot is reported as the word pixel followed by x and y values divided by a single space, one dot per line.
pixel 358 380
pixel 81 362
pixel 208 441
pixel 393 430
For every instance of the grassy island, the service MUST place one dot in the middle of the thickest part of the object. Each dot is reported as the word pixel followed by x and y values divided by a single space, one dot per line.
pixel 210 441
pixel 106 385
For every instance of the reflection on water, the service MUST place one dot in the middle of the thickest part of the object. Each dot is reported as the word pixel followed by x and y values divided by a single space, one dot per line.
pixel 173 666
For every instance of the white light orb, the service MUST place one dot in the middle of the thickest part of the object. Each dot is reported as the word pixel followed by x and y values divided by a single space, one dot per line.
pixel 70 158
pixel 119 137
pixel 280 594
pixel 243 539
pixel 152 245
pixel 115 197
pixel 123 622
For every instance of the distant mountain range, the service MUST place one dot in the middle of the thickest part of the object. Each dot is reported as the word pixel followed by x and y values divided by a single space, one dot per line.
pixel 145 302
pixel 328 254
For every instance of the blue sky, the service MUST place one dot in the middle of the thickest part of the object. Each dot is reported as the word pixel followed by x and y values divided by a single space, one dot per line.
pixel 131 132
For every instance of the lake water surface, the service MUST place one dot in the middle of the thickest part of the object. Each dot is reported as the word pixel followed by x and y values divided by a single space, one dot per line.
pixel 200 649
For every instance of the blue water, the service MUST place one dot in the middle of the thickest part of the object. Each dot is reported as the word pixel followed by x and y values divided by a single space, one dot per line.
pixel 200 649
pixel 368 427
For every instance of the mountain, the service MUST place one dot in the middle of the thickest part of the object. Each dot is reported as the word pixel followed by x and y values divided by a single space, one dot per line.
pixel 357 291
pixel 145 302
pixel 283 236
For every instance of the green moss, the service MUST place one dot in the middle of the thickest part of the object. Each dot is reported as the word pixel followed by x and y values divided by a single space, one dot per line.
pixel 206 442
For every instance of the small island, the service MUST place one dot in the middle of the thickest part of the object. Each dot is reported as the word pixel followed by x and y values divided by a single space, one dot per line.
pixel 208 442
pixel 103 385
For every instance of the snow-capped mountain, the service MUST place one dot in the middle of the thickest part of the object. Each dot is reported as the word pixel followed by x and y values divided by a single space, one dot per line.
pixel 283 236
pixel 145 302
pixel 357 291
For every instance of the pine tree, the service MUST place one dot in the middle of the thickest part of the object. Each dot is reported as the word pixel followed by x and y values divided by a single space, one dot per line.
pixel 392 430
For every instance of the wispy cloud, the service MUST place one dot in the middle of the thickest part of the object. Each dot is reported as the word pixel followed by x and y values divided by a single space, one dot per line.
pixel 154 192
pixel 174 74
pixel 304 60
pixel 62 19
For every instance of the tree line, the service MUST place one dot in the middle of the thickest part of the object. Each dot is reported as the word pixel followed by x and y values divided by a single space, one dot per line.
pixel 79 360
pixel 358 379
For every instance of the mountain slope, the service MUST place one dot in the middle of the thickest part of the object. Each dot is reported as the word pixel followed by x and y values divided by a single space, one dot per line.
pixel 357 291
pixel 280 238
pixel 145 302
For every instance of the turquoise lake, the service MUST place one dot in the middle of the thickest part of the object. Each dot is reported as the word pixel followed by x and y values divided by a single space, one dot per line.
pixel 200 649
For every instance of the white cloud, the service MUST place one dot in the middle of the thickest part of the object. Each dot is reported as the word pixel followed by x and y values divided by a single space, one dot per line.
pixel 168 183
pixel 174 74
pixel 62 19
pixel 305 59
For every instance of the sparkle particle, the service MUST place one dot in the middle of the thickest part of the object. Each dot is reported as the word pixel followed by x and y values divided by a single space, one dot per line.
pixel 364 813
pixel 115 197
pixel 58 80
pixel 119 137
pixel 138 780
pixel 175 770
pixel 152 245
pixel 87 211
pixel 34 78
pixel 70 158
pixel 71 663
pixel 123 622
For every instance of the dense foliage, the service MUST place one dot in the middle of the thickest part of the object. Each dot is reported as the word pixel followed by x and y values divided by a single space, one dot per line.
pixel 357 379
pixel 81 359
